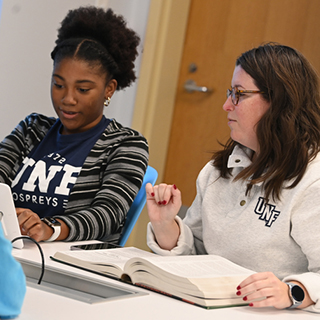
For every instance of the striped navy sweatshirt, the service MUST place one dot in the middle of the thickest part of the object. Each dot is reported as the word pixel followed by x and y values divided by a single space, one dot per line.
pixel 106 186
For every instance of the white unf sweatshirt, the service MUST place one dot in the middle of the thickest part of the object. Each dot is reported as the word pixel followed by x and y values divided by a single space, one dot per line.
pixel 279 236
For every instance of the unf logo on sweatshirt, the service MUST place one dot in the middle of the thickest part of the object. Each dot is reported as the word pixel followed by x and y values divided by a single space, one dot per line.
pixel 266 211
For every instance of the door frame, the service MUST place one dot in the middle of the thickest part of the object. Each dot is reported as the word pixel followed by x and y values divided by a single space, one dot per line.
pixel 159 74
pixel 156 90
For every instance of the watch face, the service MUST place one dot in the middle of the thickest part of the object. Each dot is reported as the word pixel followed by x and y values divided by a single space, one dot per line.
pixel 297 293
pixel 54 221
pixel 51 221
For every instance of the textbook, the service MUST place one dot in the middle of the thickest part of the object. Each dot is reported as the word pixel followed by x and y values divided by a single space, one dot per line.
pixel 208 281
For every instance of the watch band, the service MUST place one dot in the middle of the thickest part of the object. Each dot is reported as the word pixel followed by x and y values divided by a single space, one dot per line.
pixel 55 225
pixel 296 294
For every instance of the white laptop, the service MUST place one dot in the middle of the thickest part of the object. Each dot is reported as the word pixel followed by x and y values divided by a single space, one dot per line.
pixel 9 220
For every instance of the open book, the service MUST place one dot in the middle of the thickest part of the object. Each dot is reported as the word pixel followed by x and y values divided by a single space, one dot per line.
pixel 205 280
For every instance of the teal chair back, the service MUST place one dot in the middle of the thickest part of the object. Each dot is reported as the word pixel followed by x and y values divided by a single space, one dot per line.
pixel 133 214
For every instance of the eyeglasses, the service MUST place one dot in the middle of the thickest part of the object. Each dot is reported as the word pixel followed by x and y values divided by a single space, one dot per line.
pixel 235 94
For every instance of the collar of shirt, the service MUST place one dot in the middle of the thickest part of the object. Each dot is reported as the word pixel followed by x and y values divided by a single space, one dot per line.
pixel 240 157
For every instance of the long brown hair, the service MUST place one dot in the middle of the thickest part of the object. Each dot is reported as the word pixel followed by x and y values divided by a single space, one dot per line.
pixel 289 132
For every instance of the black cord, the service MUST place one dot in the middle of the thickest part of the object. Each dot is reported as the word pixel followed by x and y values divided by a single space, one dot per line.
pixel 41 253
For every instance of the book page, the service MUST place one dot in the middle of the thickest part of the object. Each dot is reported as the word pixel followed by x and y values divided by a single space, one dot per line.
pixel 202 276
pixel 117 257
pixel 198 266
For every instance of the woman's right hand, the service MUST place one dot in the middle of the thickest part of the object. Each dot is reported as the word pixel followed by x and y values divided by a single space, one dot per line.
pixel 163 204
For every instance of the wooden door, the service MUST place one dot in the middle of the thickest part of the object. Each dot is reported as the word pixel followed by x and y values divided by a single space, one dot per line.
pixel 218 31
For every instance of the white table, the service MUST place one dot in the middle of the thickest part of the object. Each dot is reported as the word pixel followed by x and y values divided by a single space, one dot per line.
pixel 42 305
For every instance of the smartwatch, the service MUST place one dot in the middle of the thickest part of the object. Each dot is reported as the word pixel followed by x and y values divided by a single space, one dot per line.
pixel 296 294
pixel 55 225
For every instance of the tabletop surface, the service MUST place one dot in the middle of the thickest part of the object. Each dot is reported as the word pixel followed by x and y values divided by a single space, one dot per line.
pixel 40 305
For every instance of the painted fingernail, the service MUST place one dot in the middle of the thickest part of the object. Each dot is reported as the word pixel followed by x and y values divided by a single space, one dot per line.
pixel 152 194
pixel 238 293
pixel 159 203
pixel 164 202
pixel 250 304
pixel 238 287
pixel 174 187
pixel 245 298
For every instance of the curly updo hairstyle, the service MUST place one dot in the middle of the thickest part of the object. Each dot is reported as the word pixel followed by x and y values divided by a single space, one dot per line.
pixel 101 38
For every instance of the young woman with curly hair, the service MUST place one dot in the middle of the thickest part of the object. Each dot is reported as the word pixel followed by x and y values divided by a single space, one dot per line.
pixel 257 201
pixel 75 177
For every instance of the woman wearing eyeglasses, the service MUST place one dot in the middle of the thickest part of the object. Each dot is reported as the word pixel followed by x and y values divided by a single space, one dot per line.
pixel 257 201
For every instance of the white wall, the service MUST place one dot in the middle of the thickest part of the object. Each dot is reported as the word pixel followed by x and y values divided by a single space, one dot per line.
pixel 28 30
pixel 136 15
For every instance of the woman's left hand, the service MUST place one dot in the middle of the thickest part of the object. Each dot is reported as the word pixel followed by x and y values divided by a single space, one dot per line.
pixel 267 288
pixel 32 226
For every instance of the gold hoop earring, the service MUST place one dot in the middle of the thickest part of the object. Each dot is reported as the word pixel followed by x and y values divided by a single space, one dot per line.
pixel 107 102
